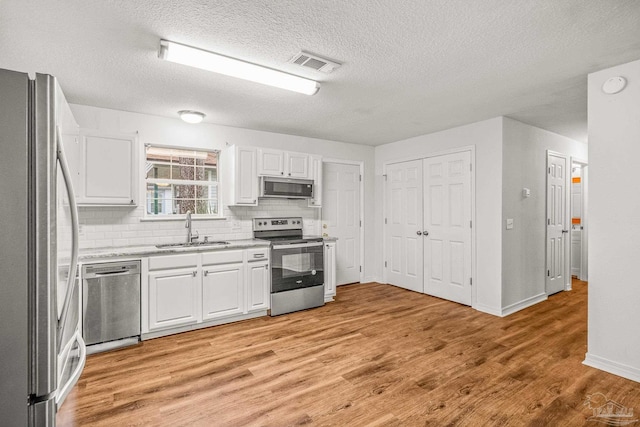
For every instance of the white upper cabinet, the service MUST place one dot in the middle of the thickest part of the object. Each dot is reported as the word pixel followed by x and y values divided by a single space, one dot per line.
pixel 283 163
pixel 316 175
pixel 243 179
pixel 270 162
pixel 296 165
pixel 108 169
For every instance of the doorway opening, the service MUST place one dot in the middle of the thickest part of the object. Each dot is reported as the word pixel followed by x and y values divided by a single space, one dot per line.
pixel 579 229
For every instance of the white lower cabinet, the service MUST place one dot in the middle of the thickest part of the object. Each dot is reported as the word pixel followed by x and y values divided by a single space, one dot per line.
pixel 222 291
pixel 187 291
pixel 258 285
pixel 329 270
pixel 173 298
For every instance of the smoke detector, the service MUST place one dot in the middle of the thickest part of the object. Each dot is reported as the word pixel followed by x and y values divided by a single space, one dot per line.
pixel 310 60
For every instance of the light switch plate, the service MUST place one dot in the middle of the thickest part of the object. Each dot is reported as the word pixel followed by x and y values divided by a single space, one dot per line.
pixel 509 223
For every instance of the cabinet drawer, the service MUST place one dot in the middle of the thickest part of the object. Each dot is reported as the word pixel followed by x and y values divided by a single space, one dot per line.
pixel 258 254
pixel 221 257
pixel 173 261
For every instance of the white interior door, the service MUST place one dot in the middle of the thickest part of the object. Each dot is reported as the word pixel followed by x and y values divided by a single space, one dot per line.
pixel 557 224
pixel 341 217
pixel 447 227
pixel 403 230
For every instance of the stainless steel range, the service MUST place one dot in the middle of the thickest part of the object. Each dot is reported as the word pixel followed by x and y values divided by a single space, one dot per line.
pixel 297 264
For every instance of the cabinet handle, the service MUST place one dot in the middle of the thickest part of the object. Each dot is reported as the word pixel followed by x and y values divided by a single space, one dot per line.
pixel 266 267
pixel 281 173
pixel 289 173
pixel 258 255
pixel 205 273
pixel 195 273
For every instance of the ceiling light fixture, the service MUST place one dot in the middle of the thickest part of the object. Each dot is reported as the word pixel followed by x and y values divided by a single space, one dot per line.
pixel 194 57
pixel 190 116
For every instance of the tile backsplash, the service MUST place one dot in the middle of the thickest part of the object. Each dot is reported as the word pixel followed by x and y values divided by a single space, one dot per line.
pixel 120 226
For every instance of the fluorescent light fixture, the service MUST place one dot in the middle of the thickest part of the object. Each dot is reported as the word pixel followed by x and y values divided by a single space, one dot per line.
pixel 191 116
pixel 194 57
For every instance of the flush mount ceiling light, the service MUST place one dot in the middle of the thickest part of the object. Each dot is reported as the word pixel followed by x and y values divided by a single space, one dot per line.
pixel 191 116
pixel 228 66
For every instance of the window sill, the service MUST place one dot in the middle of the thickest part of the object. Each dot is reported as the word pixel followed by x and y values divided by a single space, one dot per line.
pixel 182 218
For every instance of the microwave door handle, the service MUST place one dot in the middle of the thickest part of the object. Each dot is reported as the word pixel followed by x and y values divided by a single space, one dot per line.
pixel 73 267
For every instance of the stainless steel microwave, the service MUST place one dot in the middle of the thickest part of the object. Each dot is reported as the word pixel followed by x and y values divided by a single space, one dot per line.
pixel 287 188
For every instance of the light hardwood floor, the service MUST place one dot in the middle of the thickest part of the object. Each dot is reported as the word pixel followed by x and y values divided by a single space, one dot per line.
pixel 378 356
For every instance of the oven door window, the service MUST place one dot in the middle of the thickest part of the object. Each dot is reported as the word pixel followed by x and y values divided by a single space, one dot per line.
pixel 297 268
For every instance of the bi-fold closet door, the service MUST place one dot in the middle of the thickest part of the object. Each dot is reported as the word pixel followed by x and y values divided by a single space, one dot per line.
pixel 428 226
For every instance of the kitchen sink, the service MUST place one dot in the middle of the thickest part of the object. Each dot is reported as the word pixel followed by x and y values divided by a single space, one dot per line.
pixel 192 244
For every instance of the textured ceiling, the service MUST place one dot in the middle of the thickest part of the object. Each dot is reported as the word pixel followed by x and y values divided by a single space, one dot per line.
pixel 410 66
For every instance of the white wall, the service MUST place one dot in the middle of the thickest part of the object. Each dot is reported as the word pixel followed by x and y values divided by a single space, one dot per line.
pixel 523 248
pixel 486 136
pixel 614 235
pixel 122 226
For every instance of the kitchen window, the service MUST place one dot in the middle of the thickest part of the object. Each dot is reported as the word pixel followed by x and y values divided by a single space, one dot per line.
pixel 180 180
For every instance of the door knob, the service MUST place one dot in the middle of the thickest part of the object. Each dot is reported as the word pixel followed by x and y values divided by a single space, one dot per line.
pixel 419 233
pixel 425 233
pixel 324 225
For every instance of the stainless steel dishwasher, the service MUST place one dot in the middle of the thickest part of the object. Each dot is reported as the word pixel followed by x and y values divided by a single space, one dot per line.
pixel 111 305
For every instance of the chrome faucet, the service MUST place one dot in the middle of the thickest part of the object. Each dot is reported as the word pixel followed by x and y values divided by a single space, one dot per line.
pixel 187 225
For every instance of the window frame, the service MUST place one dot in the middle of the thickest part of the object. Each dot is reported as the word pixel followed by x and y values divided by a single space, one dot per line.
pixel 209 184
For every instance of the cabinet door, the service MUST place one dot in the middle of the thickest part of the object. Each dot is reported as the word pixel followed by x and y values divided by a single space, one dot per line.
pixel 108 169
pixel 258 286
pixel 316 174
pixel 222 291
pixel 271 162
pixel 245 177
pixel 297 165
pixel 173 298
pixel 329 269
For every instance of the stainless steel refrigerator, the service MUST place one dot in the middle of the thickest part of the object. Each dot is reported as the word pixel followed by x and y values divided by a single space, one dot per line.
pixel 41 349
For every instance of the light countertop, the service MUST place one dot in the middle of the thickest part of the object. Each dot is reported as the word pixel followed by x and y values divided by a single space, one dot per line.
pixel 135 251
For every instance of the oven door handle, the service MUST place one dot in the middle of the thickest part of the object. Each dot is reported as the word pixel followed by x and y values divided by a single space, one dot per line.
pixel 298 245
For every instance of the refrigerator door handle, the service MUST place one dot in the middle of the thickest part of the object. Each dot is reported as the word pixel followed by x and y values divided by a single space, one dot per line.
pixel 64 389
pixel 73 207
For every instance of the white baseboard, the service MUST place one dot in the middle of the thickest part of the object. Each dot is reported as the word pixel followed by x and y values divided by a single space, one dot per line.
pixel 612 367
pixel 488 310
pixel 521 305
